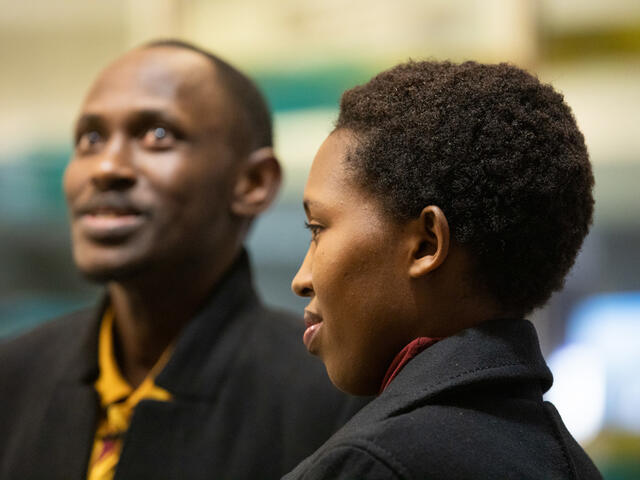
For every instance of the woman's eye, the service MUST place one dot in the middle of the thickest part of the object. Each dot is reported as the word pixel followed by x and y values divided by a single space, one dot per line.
pixel 314 228
pixel 158 137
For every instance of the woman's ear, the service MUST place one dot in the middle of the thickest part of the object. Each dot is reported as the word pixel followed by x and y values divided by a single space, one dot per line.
pixel 257 183
pixel 431 245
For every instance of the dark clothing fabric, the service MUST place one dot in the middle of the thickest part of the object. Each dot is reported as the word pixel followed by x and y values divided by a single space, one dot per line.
pixel 467 407
pixel 248 400
pixel 407 354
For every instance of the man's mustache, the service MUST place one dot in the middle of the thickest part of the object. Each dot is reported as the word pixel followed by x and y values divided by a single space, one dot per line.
pixel 111 202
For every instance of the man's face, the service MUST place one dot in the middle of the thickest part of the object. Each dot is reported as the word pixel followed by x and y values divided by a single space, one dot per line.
pixel 151 177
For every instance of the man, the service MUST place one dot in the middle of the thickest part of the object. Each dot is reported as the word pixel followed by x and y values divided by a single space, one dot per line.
pixel 181 372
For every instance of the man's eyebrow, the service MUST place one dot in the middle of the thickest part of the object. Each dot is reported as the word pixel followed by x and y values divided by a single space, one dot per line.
pixel 139 118
pixel 88 121
pixel 142 119
pixel 152 115
pixel 88 118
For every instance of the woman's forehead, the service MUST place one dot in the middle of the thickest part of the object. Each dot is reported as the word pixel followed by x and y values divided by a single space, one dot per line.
pixel 328 174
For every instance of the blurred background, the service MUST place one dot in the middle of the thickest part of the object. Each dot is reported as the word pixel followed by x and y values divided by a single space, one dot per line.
pixel 304 54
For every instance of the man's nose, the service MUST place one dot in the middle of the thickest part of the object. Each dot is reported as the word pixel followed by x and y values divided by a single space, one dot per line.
pixel 301 283
pixel 114 169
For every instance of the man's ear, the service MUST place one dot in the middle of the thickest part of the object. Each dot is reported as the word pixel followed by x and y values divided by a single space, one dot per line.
pixel 431 241
pixel 257 183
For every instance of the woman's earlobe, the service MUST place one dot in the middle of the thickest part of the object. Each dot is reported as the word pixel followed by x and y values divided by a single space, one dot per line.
pixel 431 241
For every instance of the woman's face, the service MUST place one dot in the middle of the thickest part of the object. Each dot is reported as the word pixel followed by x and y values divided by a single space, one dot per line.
pixel 355 273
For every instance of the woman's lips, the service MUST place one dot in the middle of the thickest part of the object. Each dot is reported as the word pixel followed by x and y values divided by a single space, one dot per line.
pixel 313 321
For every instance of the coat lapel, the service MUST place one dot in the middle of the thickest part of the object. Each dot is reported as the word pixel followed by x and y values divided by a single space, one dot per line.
pixel 213 338
pixel 60 440
pixel 195 375
pixel 71 415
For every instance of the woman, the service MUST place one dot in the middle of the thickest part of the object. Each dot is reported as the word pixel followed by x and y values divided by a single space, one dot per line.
pixel 449 202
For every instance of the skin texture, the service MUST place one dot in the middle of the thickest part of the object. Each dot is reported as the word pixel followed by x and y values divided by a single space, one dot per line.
pixel 158 197
pixel 374 284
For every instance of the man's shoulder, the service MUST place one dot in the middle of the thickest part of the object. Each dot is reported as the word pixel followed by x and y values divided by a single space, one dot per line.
pixel 55 327
pixel 280 323
pixel 274 339
pixel 45 343
pixel 273 351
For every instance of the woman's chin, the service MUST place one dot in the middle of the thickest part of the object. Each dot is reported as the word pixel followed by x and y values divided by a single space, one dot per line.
pixel 351 383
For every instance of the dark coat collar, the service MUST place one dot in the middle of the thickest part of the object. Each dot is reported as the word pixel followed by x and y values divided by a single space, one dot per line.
pixel 81 366
pixel 495 352
pixel 198 361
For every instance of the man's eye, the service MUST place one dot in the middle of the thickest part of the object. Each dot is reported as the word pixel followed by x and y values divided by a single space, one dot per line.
pixel 88 140
pixel 158 137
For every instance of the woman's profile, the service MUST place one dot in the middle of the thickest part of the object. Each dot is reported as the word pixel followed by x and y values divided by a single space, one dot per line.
pixel 448 203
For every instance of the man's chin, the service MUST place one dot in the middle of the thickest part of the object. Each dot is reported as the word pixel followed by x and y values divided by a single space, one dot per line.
pixel 110 273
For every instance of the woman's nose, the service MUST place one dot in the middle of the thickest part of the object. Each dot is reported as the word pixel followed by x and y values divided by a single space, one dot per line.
pixel 301 283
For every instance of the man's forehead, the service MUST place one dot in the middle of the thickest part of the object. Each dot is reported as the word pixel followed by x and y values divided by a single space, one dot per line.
pixel 165 73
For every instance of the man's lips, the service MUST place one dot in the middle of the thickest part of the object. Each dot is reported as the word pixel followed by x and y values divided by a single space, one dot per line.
pixel 109 220
pixel 313 322
pixel 109 211
pixel 108 204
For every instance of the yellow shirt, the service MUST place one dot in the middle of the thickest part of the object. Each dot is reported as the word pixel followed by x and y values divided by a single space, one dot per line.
pixel 117 400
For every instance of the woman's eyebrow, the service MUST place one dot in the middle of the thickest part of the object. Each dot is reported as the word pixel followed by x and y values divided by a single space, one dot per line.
pixel 308 204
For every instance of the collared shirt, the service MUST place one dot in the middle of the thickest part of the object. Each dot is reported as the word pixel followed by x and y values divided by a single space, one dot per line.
pixel 117 401
pixel 404 356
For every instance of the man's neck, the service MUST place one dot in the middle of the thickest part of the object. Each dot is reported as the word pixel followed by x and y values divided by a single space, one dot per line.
pixel 150 313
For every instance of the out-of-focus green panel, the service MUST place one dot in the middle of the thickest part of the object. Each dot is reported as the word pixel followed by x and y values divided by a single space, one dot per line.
pixel 310 88
pixel 31 186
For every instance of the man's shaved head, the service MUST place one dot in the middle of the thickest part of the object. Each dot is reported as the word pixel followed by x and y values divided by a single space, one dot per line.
pixel 254 129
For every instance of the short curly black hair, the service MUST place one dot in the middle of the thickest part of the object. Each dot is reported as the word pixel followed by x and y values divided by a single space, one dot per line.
pixel 498 151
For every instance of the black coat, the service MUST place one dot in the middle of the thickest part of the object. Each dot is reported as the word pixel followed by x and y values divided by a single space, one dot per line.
pixel 468 407
pixel 248 401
